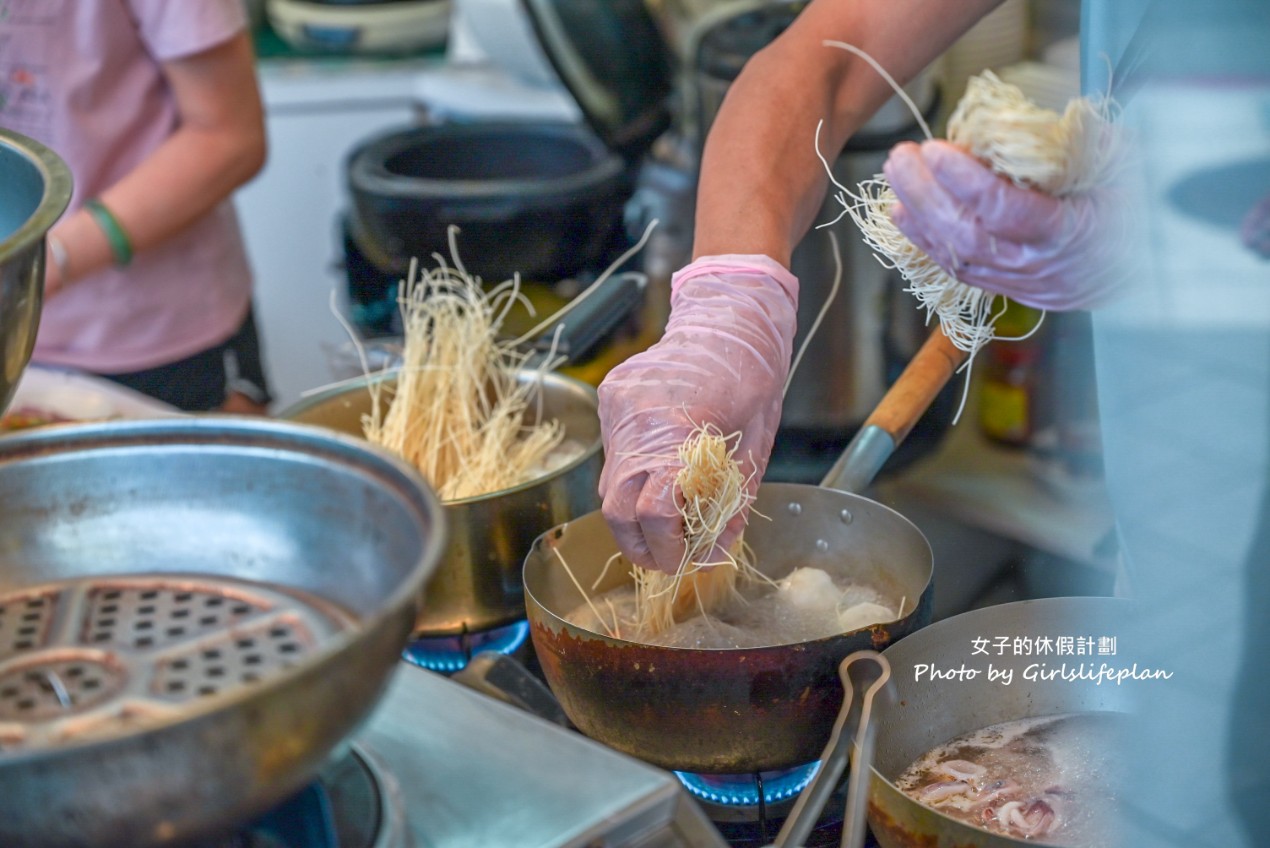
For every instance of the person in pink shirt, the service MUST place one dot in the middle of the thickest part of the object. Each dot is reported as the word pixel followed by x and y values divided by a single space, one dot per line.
pixel 155 108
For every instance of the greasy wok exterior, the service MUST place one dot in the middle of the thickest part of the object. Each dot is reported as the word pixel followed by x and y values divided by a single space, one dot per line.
pixel 724 711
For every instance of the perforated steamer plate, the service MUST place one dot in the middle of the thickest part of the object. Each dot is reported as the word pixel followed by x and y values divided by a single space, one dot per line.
pixel 85 657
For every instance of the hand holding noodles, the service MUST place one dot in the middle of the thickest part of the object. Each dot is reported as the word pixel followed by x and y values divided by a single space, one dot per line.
pixel 1018 202
pixel 722 361
pixel 982 229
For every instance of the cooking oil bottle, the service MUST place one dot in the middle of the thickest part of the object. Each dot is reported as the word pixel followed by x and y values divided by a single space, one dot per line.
pixel 1011 404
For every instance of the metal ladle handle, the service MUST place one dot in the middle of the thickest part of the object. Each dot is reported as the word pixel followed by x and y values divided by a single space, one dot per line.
pixel 852 729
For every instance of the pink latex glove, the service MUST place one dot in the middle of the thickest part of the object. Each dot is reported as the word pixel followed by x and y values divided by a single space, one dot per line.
pixel 1047 252
pixel 723 360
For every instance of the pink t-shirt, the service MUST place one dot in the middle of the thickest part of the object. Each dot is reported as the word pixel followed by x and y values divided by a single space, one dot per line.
pixel 84 77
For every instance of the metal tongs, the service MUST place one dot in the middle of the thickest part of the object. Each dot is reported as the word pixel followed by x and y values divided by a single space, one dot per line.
pixel 853 736
pixel 573 336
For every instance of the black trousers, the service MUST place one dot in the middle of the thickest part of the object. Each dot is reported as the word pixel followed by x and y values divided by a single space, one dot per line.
pixel 199 383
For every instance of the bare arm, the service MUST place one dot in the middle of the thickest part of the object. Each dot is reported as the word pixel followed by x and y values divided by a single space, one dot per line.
pixel 761 183
pixel 219 145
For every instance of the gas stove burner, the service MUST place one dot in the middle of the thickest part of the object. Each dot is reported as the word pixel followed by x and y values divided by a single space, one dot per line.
pixel 826 834
pixel 449 654
pixel 749 790
pixel 749 809
pixel 343 808
pixel 303 821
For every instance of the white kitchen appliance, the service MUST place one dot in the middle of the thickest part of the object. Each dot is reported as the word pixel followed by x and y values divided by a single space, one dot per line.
pixel 349 26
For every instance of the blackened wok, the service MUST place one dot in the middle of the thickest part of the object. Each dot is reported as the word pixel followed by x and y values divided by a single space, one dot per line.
pixel 749 709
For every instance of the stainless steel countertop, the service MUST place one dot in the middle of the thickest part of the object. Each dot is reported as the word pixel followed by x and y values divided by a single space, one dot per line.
pixel 468 770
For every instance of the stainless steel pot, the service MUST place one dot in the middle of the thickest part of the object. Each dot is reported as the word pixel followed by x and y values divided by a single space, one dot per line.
pixel 193 614
pixel 928 713
pixel 734 711
pixel 478 584
pixel 37 188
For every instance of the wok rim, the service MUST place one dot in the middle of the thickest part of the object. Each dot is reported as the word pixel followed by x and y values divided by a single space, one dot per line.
pixel 281 436
pixel 574 630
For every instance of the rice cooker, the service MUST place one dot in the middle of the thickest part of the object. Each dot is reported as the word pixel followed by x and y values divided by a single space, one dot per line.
pixel 360 26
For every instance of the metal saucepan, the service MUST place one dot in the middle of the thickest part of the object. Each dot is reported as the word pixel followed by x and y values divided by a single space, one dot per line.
pixel 193 614
pixel 928 713
pixel 754 709
pixel 478 584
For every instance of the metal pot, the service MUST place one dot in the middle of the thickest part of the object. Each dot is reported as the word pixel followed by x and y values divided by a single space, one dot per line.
pixel 37 188
pixel 478 584
pixel 540 199
pixel 930 713
pixel 197 611
pixel 753 709
pixel 724 711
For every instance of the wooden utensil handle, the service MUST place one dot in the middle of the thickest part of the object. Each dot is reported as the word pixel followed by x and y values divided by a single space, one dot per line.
pixel 927 373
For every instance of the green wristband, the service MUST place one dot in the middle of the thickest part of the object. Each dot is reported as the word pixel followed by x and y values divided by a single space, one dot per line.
pixel 120 246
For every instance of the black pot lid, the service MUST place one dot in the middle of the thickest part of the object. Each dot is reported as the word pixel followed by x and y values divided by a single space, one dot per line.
pixel 613 59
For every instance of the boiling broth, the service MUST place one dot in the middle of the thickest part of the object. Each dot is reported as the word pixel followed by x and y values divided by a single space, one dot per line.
pixel 808 604
pixel 1050 780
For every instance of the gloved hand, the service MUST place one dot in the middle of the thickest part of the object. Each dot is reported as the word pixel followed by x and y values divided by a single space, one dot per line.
pixel 1043 251
pixel 723 360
